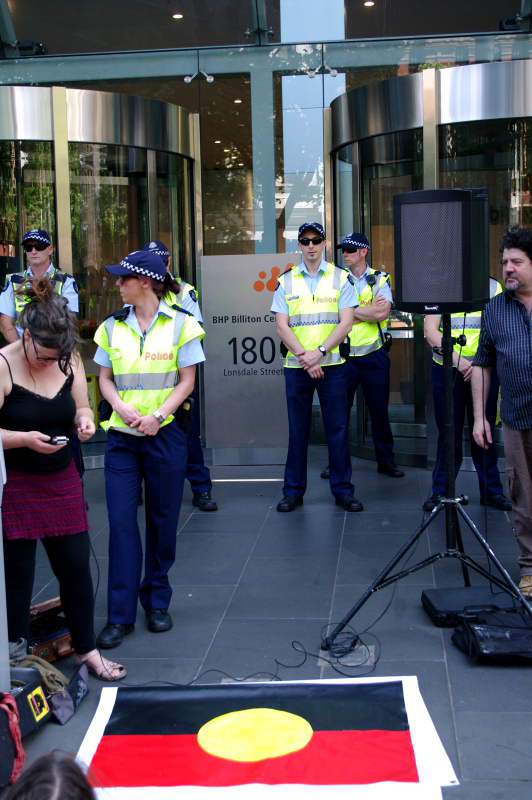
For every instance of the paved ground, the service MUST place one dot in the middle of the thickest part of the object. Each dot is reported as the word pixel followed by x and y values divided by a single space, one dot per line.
pixel 248 581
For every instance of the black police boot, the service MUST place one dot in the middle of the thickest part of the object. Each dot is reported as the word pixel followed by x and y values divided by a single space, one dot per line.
pixel 391 470
pixel 204 501
pixel 431 503
pixel 349 503
pixel 498 501
pixel 289 502
pixel 113 635
pixel 159 620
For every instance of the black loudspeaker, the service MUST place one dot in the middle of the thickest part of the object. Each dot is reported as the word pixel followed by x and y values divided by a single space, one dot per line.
pixel 441 250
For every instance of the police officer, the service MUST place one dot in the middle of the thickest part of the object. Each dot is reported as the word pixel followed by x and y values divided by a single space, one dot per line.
pixel 369 362
pixel 198 474
pixel 485 461
pixel 147 352
pixel 313 304
pixel 37 244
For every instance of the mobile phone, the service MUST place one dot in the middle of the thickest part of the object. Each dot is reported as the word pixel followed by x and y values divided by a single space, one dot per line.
pixel 58 439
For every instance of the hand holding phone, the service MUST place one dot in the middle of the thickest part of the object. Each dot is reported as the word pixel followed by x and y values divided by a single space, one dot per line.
pixel 62 440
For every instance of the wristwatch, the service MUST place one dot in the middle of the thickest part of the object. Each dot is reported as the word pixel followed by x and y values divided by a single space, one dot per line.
pixel 159 417
pixel 322 349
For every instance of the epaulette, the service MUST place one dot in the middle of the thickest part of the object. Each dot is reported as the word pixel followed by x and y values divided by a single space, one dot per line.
pixel 351 279
pixel 59 277
pixel 382 272
pixel 120 315
pixel 17 279
pixel 183 310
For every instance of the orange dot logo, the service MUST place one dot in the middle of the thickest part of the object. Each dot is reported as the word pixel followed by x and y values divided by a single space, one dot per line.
pixel 259 285
pixel 271 283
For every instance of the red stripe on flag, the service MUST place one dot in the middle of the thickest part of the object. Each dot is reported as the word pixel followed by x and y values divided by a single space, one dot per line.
pixel 331 757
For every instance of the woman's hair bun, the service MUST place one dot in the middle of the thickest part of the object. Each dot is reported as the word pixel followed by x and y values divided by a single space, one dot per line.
pixel 39 290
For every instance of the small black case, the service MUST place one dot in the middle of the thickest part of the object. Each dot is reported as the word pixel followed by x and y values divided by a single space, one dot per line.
pixel 495 637
pixel 446 606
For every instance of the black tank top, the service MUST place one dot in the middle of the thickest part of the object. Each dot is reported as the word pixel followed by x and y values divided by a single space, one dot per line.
pixel 24 410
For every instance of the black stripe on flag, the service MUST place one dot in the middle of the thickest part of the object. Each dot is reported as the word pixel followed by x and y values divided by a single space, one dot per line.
pixel 154 710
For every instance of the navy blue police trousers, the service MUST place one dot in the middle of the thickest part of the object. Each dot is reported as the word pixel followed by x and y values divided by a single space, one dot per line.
pixel 159 462
pixel 332 393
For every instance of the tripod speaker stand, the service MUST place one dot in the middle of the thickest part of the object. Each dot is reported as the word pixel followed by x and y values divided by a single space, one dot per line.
pixel 452 507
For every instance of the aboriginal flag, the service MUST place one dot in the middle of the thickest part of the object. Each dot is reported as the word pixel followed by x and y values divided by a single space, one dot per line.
pixel 317 734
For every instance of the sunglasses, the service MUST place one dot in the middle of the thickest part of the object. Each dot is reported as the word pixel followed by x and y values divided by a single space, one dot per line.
pixel 306 242
pixel 350 249
pixel 29 246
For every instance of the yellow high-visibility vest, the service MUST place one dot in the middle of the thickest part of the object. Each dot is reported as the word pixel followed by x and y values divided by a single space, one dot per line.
pixel 21 280
pixel 365 337
pixel 145 368
pixel 468 324
pixel 314 316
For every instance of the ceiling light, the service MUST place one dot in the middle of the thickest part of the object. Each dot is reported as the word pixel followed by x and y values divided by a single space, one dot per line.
pixel 238 100
pixel 217 141
pixel 177 16
pixel 226 150
pixel 240 163
pixel 369 3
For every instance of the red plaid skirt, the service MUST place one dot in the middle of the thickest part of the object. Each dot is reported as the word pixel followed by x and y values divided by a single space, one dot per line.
pixel 35 506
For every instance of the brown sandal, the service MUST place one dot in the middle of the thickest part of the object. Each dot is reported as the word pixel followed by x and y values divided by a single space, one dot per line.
pixel 101 667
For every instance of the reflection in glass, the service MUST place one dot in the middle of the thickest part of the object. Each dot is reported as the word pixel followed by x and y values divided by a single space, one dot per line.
pixel 232 206
pixel 109 210
pixel 367 176
pixel 173 217
pixel 26 197
pixel 495 154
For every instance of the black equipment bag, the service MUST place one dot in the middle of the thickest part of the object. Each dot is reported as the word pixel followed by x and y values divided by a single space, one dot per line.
pixel 445 606
pixel 496 637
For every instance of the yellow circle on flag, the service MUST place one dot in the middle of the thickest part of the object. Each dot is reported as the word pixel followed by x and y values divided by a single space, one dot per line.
pixel 254 734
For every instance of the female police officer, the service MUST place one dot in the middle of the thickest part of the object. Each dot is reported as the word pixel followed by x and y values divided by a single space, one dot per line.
pixel 148 353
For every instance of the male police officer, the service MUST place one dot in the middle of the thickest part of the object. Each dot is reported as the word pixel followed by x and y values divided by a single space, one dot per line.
pixel 198 473
pixel 37 245
pixel 313 304
pixel 369 363
pixel 485 461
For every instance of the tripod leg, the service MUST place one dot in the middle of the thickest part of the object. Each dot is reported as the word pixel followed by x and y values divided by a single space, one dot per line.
pixel 376 585
pixel 460 547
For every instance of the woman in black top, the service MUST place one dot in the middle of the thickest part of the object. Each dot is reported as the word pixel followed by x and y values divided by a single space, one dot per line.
pixel 43 395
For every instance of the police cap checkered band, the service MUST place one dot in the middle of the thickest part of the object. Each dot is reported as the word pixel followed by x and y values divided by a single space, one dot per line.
pixel 354 240
pixel 144 263
pixel 37 235
pixel 311 226
pixel 156 246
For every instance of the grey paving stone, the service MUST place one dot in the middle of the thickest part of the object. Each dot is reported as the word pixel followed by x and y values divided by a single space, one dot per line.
pixel 495 746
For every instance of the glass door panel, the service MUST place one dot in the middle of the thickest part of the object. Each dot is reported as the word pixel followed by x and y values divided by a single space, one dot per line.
pixel 109 210
pixel 496 154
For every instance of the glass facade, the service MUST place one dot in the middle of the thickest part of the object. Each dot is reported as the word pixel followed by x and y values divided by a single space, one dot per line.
pixel 95 26
pixel 496 154
pixel 27 197
pixel 109 214
pixel 367 175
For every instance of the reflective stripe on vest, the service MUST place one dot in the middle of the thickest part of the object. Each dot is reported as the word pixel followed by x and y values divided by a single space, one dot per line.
pixel 146 369
pixel 313 316
pixel 470 325
pixel 365 337
pixel 22 300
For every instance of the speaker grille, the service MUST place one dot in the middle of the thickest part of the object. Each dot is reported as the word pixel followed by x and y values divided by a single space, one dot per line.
pixel 431 252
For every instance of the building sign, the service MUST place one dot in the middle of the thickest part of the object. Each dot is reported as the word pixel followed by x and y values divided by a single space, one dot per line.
pixel 245 402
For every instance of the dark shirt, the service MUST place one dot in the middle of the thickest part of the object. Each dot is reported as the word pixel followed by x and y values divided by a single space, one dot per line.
pixel 506 343
pixel 23 410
